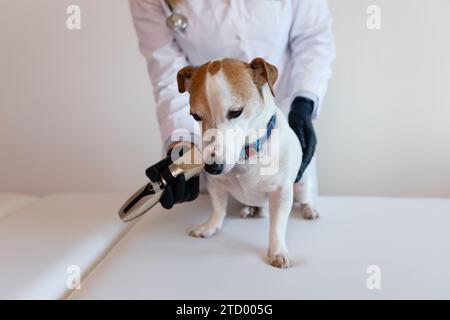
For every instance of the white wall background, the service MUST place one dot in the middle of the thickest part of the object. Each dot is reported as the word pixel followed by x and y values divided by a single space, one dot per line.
pixel 76 109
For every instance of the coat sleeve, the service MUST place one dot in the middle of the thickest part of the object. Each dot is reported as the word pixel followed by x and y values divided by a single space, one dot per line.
pixel 164 59
pixel 313 50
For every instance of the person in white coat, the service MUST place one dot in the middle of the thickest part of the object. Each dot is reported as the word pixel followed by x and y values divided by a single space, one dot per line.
pixel 293 35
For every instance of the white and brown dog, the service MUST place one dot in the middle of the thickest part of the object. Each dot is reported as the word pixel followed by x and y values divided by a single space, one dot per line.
pixel 230 95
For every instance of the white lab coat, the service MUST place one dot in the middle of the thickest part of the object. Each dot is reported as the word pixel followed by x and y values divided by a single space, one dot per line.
pixel 293 35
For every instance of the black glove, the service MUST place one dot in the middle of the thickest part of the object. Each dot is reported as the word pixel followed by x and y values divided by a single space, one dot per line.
pixel 300 121
pixel 179 190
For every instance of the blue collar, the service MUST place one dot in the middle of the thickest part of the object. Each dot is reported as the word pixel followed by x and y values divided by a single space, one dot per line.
pixel 258 143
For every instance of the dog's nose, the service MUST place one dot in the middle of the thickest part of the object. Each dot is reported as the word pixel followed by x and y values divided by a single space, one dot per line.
pixel 214 168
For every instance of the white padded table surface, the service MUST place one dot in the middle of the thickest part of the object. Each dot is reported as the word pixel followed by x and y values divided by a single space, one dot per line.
pixel 10 202
pixel 408 239
pixel 39 242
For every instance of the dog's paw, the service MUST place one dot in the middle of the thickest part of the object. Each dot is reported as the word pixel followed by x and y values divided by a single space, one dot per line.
pixel 248 211
pixel 203 232
pixel 280 260
pixel 308 212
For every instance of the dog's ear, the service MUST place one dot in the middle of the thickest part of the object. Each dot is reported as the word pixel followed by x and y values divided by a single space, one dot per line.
pixel 263 72
pixel 184 78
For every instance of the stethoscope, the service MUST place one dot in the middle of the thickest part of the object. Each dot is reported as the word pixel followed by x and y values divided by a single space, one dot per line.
pixel 175 21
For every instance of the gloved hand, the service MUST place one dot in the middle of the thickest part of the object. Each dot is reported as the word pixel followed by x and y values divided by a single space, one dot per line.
pixel 300 121
pixel 179 190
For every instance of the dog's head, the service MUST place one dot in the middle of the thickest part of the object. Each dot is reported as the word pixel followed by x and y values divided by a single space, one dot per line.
pixel 227 97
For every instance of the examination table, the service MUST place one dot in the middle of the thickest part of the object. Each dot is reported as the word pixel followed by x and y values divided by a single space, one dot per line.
pixel 363 248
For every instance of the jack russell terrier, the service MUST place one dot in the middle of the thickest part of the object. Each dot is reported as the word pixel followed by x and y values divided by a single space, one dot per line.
pixel 230 95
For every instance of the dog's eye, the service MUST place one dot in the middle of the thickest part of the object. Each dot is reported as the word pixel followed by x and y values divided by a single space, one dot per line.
pixel 196 117
pixel 232 114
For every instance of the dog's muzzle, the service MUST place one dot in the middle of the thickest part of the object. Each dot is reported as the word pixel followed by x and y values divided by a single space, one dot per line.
pixel 214 168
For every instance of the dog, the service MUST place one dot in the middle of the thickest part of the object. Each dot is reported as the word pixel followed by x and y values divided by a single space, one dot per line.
pixel 231 95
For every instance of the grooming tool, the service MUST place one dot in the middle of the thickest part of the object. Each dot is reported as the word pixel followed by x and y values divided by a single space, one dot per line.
pixel 148 196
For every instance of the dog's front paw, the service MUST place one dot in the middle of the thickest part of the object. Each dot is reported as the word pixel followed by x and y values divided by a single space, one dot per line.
pixel 203 232
pixel 280 260
pixel 308 212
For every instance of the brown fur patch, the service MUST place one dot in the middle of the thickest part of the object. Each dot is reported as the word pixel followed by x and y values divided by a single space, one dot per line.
pixel 214 67
pixel 239 76
pixel 264 72
pixel 197 99
pixel 184 78
pixel 236 72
